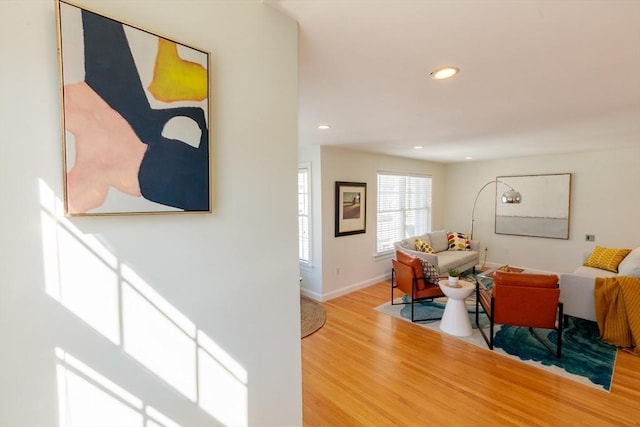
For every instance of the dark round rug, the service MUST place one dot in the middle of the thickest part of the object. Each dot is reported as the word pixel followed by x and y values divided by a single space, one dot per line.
pixel 312 316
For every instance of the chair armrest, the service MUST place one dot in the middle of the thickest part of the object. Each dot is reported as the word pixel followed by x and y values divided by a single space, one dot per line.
pixel 484 299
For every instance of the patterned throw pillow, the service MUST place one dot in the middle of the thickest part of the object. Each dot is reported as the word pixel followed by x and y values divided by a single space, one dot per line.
pixel 606 258
pixel 430 272
pixel 423 246
pixel 459 242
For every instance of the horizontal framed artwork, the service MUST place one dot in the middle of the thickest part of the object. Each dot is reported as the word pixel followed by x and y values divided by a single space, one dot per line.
pixel 135 118
pixel 351 208
pixel 544 209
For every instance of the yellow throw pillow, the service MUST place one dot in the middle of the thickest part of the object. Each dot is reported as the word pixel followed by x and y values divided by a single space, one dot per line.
pixel 423 246
pixel 606 258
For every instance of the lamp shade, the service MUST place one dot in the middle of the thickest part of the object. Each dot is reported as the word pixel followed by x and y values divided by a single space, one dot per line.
pixel 511 196
pixel 508 197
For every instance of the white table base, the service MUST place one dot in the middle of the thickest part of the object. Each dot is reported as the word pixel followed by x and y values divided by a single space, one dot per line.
pixel 455 320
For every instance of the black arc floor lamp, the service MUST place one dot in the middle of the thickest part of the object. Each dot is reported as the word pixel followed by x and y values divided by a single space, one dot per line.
pixel 510 196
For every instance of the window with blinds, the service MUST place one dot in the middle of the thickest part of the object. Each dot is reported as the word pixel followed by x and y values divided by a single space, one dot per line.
pixel 304 213
pixel 403 207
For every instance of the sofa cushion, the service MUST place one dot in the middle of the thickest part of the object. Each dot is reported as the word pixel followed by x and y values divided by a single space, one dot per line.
pixel 458 242
pixel 423 246
pixel 630 265
pixel 454 259
pixel 593 272
pixel 430 272
pixel 438 240
pixel 606 258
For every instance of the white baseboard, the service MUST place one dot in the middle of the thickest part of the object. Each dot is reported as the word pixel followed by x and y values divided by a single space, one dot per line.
pixel 311 294
pixel 356 286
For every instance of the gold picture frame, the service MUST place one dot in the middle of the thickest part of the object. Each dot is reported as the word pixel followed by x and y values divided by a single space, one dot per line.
pixel 135 118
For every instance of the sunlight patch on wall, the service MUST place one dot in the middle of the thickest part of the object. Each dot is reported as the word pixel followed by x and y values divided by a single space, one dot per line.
pixel 79 272
pixel 223 384
pixel 142 287
pixel 90 281
pixel 157 419
pixel 87 398
pixel 156 342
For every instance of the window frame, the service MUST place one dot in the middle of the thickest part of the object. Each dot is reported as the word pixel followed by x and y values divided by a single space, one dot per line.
pixel 305 166
pixel 402 203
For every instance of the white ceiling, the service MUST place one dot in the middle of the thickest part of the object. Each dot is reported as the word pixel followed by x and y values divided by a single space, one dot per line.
pixel 537 77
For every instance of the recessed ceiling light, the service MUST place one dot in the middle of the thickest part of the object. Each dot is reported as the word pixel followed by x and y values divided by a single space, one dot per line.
pixel 417 147
pixel 468 158
pixel 324 127
pixel 444 73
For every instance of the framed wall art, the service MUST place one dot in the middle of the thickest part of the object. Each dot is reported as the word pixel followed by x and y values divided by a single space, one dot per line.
pixel 544 209
pixel 351 208
pixel 135 118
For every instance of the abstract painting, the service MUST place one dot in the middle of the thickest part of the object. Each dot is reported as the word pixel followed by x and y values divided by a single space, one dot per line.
pixel 135 110
pixel 351 208
pixel 544 210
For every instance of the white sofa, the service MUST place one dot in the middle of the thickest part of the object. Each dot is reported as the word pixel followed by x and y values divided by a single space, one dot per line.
pixel 442 258
pixel 576 289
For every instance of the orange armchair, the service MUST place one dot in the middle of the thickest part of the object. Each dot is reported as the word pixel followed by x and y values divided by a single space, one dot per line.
pixel 522 299
pixel 407 275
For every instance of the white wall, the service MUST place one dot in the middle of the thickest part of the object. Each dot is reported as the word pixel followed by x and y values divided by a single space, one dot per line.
pixel 231 275
pixel 354 255
pixel 605 201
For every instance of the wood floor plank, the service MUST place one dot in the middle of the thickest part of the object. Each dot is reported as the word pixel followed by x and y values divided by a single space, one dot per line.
pixel 365 368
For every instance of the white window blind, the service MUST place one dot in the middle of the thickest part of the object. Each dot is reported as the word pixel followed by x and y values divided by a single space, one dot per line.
pixel 304 214
pixel 403 208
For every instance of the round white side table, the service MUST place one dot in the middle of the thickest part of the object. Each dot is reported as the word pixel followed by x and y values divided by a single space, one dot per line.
pixel 455 320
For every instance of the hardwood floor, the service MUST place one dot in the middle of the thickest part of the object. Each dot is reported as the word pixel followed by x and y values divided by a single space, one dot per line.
pixel 365 368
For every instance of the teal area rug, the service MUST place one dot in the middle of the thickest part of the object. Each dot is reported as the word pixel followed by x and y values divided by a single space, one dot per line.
pixel 585 358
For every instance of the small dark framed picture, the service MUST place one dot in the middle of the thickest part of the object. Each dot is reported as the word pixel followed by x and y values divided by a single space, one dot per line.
pixel 351 208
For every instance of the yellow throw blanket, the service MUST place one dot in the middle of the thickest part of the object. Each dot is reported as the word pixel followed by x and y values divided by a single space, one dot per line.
pixel 617 304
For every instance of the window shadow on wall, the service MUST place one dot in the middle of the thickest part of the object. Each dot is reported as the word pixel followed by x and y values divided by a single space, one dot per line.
pixel 86 278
